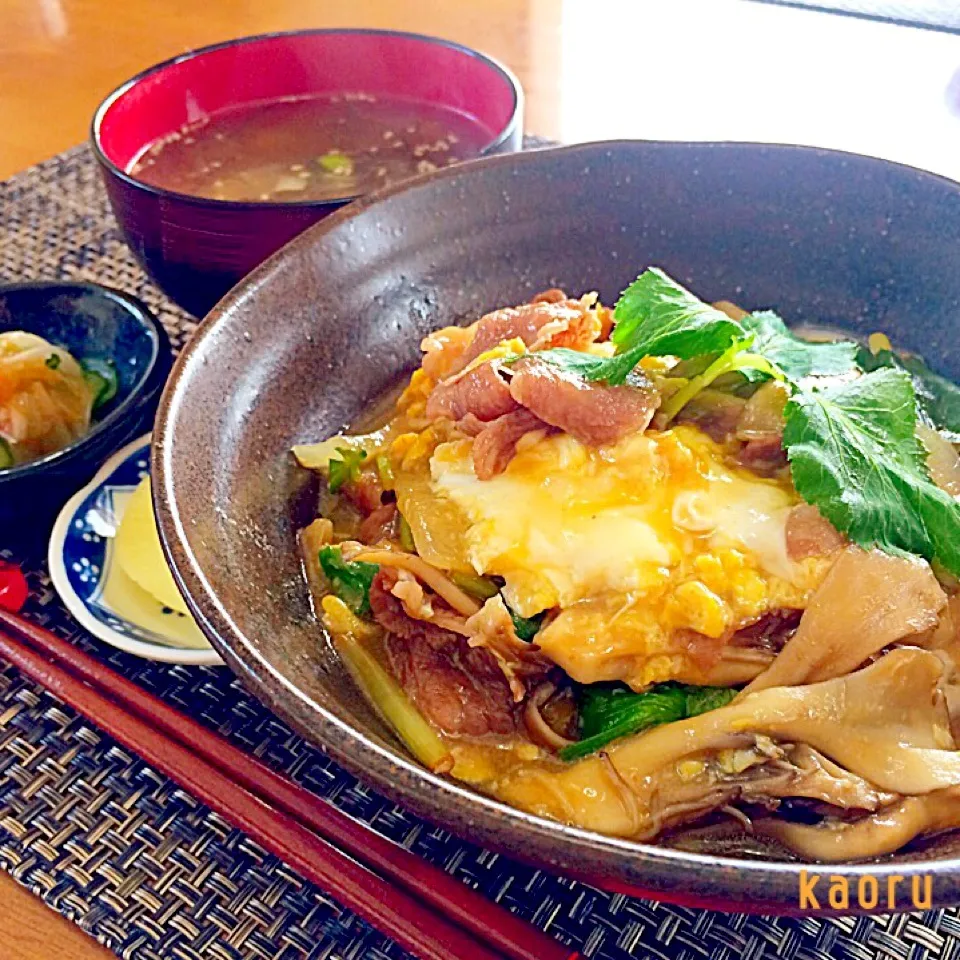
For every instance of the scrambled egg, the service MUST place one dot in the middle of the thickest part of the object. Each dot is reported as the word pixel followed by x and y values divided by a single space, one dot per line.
pixel 647 547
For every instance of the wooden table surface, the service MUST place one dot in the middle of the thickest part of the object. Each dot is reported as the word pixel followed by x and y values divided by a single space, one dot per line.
pixel 591 69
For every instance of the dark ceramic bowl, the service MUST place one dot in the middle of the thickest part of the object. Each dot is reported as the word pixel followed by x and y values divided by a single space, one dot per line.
pixel 821 236
pixel 91 322
pixel 196 249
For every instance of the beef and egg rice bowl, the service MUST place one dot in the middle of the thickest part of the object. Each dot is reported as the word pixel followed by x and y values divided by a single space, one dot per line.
pixel 666 563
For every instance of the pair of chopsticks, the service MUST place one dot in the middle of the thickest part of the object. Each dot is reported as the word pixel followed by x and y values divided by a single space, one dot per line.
pixel 428 912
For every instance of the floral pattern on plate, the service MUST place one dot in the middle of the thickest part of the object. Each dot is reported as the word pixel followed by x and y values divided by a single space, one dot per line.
pixel 95 588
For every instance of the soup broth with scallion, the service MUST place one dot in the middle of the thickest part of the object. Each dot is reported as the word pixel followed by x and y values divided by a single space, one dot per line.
pixel 309 149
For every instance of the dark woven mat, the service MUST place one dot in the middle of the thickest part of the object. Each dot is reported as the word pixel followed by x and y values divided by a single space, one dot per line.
pixel 152 873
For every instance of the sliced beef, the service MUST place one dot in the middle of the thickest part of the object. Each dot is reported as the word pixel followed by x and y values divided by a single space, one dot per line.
pixel 572 324
pixel 443 350
pixel 576 330
pixel 493 629
pixel 380 524
pixel 365 493
pixel 594 413
pixel 388 611
pixel 770 633
pixel 507 323
pixel 470 426
pixel 702 651
pixel 810 534
pixel 764 455
pixel 495 445
pixel 553 295
pixel 482 392
pixel 714 412
pixel 767 635
pixel 459 689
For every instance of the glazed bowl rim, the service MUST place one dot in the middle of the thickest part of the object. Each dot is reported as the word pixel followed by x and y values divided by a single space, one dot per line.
pixel 164 193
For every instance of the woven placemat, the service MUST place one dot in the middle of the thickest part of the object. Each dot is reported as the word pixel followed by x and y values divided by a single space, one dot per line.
pixel 152 873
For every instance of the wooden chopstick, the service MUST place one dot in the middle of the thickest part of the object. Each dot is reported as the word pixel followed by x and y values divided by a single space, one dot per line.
pixel 413 925
pixel 280 814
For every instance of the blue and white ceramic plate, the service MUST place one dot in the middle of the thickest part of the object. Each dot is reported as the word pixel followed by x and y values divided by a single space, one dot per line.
pixel 96 591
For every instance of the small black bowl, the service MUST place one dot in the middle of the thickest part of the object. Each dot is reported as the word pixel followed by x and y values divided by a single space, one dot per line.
pixel 91 322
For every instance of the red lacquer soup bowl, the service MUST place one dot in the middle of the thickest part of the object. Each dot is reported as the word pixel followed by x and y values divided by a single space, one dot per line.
pixel 195 248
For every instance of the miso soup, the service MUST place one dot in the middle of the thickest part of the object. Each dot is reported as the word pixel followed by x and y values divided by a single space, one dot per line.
pixel 309 149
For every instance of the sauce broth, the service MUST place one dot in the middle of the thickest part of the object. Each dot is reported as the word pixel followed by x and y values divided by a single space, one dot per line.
pixel 309 149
